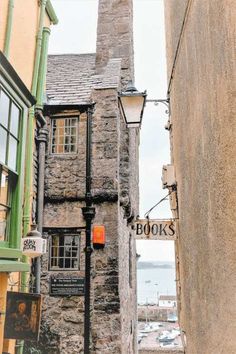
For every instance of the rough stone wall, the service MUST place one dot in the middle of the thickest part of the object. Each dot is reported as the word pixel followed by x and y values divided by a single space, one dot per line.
pixel 115 36
pixel 114 181
pixel 204 150
pixel 127 286
pixel 62 317
pixel 65 173
pixel 115 40
pixel 113 299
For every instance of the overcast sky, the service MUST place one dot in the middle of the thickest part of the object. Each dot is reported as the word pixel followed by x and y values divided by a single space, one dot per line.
pixel 76 33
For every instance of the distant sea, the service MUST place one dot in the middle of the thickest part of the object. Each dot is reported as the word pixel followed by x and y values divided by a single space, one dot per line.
pixel 153 278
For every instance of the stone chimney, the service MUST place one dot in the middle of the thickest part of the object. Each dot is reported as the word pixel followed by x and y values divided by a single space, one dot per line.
pixel 115 36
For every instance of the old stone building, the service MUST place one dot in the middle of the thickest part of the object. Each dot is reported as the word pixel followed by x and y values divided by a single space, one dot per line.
pixel 201 72
pixel 78 86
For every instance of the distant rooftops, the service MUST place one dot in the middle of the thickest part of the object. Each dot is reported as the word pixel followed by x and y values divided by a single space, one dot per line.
pixel 167 298
pixel 71 78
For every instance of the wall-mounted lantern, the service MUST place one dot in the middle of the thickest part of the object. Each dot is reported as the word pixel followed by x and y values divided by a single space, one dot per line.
pixel 33 245
pixel 132 103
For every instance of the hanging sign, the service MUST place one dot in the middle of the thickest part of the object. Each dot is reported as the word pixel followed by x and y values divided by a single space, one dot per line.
pixel 22 316
pixel 155 229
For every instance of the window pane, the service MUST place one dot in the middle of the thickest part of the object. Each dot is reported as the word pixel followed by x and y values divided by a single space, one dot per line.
pixel 64 135
pixel 73 122
pixel 4 188
pixel 3 222
pixel 60 123
pixel 64 252
pixel 15 115
pixel 73 131
pixel 60 149
pixel 4 108
pixel 3 145
pixel 73 148
pixel 12 153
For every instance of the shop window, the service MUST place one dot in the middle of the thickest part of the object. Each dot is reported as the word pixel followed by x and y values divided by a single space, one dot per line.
pixel 64 252
pixel 64 135
pixel 9 141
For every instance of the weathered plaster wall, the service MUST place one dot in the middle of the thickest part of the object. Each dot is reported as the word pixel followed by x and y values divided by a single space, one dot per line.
pixel 175 11
pixel 204 150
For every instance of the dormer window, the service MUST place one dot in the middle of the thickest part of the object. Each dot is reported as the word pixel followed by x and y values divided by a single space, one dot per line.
pixel 64 135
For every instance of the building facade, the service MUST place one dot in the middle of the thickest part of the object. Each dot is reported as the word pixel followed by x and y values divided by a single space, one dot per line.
pixel 24 30
pixel 201 70
pixel 79 86
pixel 167 301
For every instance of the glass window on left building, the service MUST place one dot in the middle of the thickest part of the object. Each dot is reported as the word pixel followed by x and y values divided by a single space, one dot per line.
pixel 15 101
pixel 10 114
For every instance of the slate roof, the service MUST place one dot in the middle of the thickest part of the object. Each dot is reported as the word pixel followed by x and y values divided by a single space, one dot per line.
pixel 71 78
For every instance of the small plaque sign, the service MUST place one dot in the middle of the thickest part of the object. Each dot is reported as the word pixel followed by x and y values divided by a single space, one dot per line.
pixel 66 286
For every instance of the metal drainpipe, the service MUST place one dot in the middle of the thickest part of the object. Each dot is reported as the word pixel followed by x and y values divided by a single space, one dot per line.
pixel 88 214
pixel 8 28
pixel 30 130
pixel 42 139
pixel 42 68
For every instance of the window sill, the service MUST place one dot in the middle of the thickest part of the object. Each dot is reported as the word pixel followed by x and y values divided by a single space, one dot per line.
pixel 13 266
pixel 12 253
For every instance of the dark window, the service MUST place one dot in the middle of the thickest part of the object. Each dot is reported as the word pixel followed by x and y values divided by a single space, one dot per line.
pixel 64 252
pixel 64 135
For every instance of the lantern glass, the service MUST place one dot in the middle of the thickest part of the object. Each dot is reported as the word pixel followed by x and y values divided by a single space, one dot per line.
pixel 132 109
pixel 132 105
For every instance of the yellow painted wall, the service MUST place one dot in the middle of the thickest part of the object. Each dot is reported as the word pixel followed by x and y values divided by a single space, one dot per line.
pixel 3 293
pixel 3 19
pixel 23 38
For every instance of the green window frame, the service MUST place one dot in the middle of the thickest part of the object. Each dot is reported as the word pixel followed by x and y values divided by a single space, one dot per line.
pixel 13 113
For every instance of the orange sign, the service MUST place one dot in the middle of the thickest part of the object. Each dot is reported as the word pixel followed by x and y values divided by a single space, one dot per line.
pixel 99 238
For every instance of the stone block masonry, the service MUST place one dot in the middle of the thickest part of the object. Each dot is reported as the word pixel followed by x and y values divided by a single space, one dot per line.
pixel 97 78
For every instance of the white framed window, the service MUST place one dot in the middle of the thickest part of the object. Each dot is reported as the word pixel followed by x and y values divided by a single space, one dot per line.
pixel 64 135
pixel 64 251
